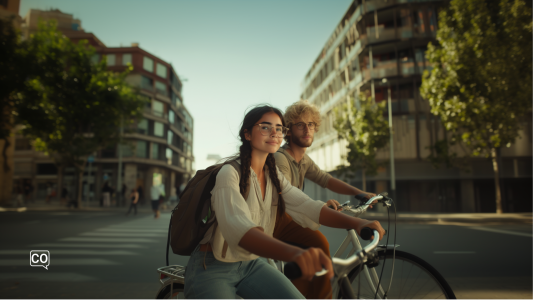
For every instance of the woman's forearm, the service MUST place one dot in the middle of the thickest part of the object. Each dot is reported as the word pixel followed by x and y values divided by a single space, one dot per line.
pixel 332 218
pixel 257 242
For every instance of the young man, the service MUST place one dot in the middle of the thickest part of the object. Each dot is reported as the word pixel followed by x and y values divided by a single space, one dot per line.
pixel 303 120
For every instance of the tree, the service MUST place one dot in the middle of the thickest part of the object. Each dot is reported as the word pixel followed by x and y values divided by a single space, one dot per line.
pixel 71 105
pixel 366 131
pixel 480 84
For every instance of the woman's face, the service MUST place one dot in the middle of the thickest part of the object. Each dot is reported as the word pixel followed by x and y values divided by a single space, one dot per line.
pixel 265 143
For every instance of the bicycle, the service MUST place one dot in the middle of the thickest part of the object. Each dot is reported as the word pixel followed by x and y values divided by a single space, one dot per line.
pixel 358 275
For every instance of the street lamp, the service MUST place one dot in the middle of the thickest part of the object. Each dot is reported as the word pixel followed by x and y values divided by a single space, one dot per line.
pixel 391 142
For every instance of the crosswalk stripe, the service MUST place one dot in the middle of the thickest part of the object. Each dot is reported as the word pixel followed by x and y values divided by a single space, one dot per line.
pixel 107 240
pixel 77 245
pixel 71 252
pixel 61 262
pixel 122 234
pixel 47 276
pixel 132 230
pixel 503 231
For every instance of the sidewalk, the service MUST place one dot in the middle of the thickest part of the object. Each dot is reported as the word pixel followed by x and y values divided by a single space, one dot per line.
pixel 40 205
pixel 447 218
pixel 402 217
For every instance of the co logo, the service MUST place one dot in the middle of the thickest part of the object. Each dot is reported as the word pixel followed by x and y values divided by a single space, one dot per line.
pixel 40 258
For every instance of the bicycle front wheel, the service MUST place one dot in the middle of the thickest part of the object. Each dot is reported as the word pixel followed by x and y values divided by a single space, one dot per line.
pixel 176 293
pixel 413 278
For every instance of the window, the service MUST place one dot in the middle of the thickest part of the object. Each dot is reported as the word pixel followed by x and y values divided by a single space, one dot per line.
pixel 148 64
pixel 147 83
pixel 141 149
pixel 169 137
pixel 46 169
pixel 125 150
pixel 142 126
pixel 111 59
pixel 157 108
pixel 168 155
pixel 158 129
pixel 171 116
pixel 161 88
pixel 155 151
pixel 161 70
pixel 126 59
pixel 95 59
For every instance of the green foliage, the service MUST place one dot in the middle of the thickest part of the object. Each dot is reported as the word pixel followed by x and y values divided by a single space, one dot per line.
pixel 480 84
pixel 366 131
pixel 13 69
pixel 69 105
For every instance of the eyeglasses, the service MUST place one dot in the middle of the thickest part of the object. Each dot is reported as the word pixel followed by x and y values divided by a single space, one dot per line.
pixel 301 125
pixel 266 129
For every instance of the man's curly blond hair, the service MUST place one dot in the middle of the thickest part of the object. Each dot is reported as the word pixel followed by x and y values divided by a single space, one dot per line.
pixel 299 109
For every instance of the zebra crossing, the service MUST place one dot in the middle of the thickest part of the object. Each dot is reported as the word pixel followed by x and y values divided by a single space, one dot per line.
pixel 106 246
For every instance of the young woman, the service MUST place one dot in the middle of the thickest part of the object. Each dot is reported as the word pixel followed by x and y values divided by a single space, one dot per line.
pixel 226 263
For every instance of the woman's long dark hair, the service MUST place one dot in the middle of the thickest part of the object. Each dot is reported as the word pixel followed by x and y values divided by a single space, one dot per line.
pixel 245 152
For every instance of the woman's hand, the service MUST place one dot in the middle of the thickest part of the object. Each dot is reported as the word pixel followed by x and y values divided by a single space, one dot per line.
pixel 313 260
pixel 371 224
pixel 336 205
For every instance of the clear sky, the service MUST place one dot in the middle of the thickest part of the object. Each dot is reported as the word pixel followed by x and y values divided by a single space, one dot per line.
pixel 234 54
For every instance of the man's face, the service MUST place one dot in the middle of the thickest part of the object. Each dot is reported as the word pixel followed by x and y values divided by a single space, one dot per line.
pixel 302 137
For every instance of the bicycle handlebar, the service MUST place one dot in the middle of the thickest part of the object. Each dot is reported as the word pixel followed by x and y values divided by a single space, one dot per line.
pixel 293 271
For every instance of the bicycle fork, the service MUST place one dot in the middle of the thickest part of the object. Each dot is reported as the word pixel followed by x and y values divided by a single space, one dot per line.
pixel 371 275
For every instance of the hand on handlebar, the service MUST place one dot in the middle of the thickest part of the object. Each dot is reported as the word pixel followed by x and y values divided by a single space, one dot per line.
pixel 371 224
pixel 367 196
pixel 334 204
pixel 311 261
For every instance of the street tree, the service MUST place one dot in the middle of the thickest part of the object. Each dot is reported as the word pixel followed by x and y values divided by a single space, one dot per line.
pixel 366 132
pixel 480 84
pixel 72 105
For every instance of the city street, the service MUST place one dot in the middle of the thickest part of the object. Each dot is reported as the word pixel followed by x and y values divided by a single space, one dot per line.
pixel 109 255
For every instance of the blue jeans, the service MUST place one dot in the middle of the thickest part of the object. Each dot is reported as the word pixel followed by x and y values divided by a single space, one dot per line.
pixel 253 279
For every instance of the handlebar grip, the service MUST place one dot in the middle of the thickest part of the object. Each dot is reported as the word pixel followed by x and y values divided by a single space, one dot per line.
pixel 292 270
pixel 330 206
pixel 367 233
pixel 361 197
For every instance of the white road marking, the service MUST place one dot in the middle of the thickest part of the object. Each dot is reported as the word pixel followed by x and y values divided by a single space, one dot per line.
pixel 107 240
pixel 122 234
pixel 77 245
pixel 61 262
pixel 454 252
pixel 132 230
pixel 46 276
pixel 71 252
pixel 503 231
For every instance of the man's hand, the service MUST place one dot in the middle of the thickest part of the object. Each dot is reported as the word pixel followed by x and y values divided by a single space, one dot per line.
pixel 368 196
pixel 371 224
pixel 336 205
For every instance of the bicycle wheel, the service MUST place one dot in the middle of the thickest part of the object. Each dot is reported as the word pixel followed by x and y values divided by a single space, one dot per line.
pixel 413 278
pixel 177 292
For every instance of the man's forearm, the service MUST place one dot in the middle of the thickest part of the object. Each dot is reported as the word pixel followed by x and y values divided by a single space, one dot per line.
pixel 341 187
pixel 331 218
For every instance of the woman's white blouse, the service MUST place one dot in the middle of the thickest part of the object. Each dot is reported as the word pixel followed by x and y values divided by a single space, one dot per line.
pixel 235 216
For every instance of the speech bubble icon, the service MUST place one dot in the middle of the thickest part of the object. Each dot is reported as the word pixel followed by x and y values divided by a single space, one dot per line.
pixel 40 258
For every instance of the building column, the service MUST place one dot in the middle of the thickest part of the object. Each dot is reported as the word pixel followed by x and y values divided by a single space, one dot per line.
pixel 130 178
pixel 468 199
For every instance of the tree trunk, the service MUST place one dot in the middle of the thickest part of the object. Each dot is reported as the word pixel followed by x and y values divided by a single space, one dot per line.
pixel 59 187
pixel 364 180
pixel 80 169
pixel 495 157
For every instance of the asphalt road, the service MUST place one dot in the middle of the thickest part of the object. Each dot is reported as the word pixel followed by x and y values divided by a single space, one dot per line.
pixel 109 255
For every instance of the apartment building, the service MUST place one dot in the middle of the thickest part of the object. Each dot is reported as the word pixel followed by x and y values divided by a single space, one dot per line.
pixel 387 39
pixel 159 151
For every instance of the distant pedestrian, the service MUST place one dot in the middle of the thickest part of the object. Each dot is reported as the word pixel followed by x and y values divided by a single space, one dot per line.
pixel 106 194
pixel 134 196
pixel 72 202
pixel 64 195
pixel 28 189
pixel 155 193
pixel 123 194
pixel 50 192
pixel 141 194
pixel 19 200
